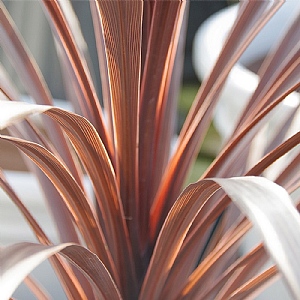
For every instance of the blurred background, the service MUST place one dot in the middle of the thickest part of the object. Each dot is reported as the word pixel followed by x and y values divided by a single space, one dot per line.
pixel 35 30
pixel 33 26
pixel 32 23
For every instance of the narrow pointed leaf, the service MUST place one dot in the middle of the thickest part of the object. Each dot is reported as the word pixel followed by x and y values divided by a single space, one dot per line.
pixel 172 235
pixel 227 245
pixel 165 21
pixel 41 236
pixel 6 86
pixel 103 67
pixel 94 156
pixel 79 73
pixel 254 285
pixel 269 73
pixel 252 260
pixel 36 289
pixel 290 175
pixel 94 270
pixel 198 120
pixel 225 160
pixel 166 114
pixel 14 46
pixel 121 22
pixel 252 16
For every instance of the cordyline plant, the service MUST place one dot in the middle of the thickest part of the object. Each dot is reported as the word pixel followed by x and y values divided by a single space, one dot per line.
pixel 145 236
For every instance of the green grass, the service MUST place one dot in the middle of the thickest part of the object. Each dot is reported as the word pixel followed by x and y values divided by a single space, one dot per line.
pixel 198 169
pixel 186 97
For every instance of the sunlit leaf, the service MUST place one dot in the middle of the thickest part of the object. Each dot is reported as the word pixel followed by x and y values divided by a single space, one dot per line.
pixel 92 152
pixel 95 158
pixel 18 260
pixel 271 71
pixel 237 273
pixel 198 120
pixel 67 277
pixel 172 235
pixel 166 16
pixel 271 209
pixel 255 285
pixel 139 235
pixel 121 24
pixel 266 204
pixel 73 196
pixel 12 112
pixel 33 80
pixel 78 71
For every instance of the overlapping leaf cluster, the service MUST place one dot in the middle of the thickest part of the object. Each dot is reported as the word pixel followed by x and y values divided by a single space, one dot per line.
pixel 144 237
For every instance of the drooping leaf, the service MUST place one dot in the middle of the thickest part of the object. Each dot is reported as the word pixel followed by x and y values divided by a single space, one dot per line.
pixel 95 158
pixel 67 277
pixel 34 82
pixel 31 132
pixel 78 71
pixel 261 200
pixel 203 219
pixel 94 270
pixel 277 219
pixel 74 198
pixel 93 155
pixel 102 154
pixel 18 260
pixel 12 112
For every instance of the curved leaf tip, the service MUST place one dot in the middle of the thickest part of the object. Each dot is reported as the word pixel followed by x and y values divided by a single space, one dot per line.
pixel 13 111
pixel 271 209
pixel 18 260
